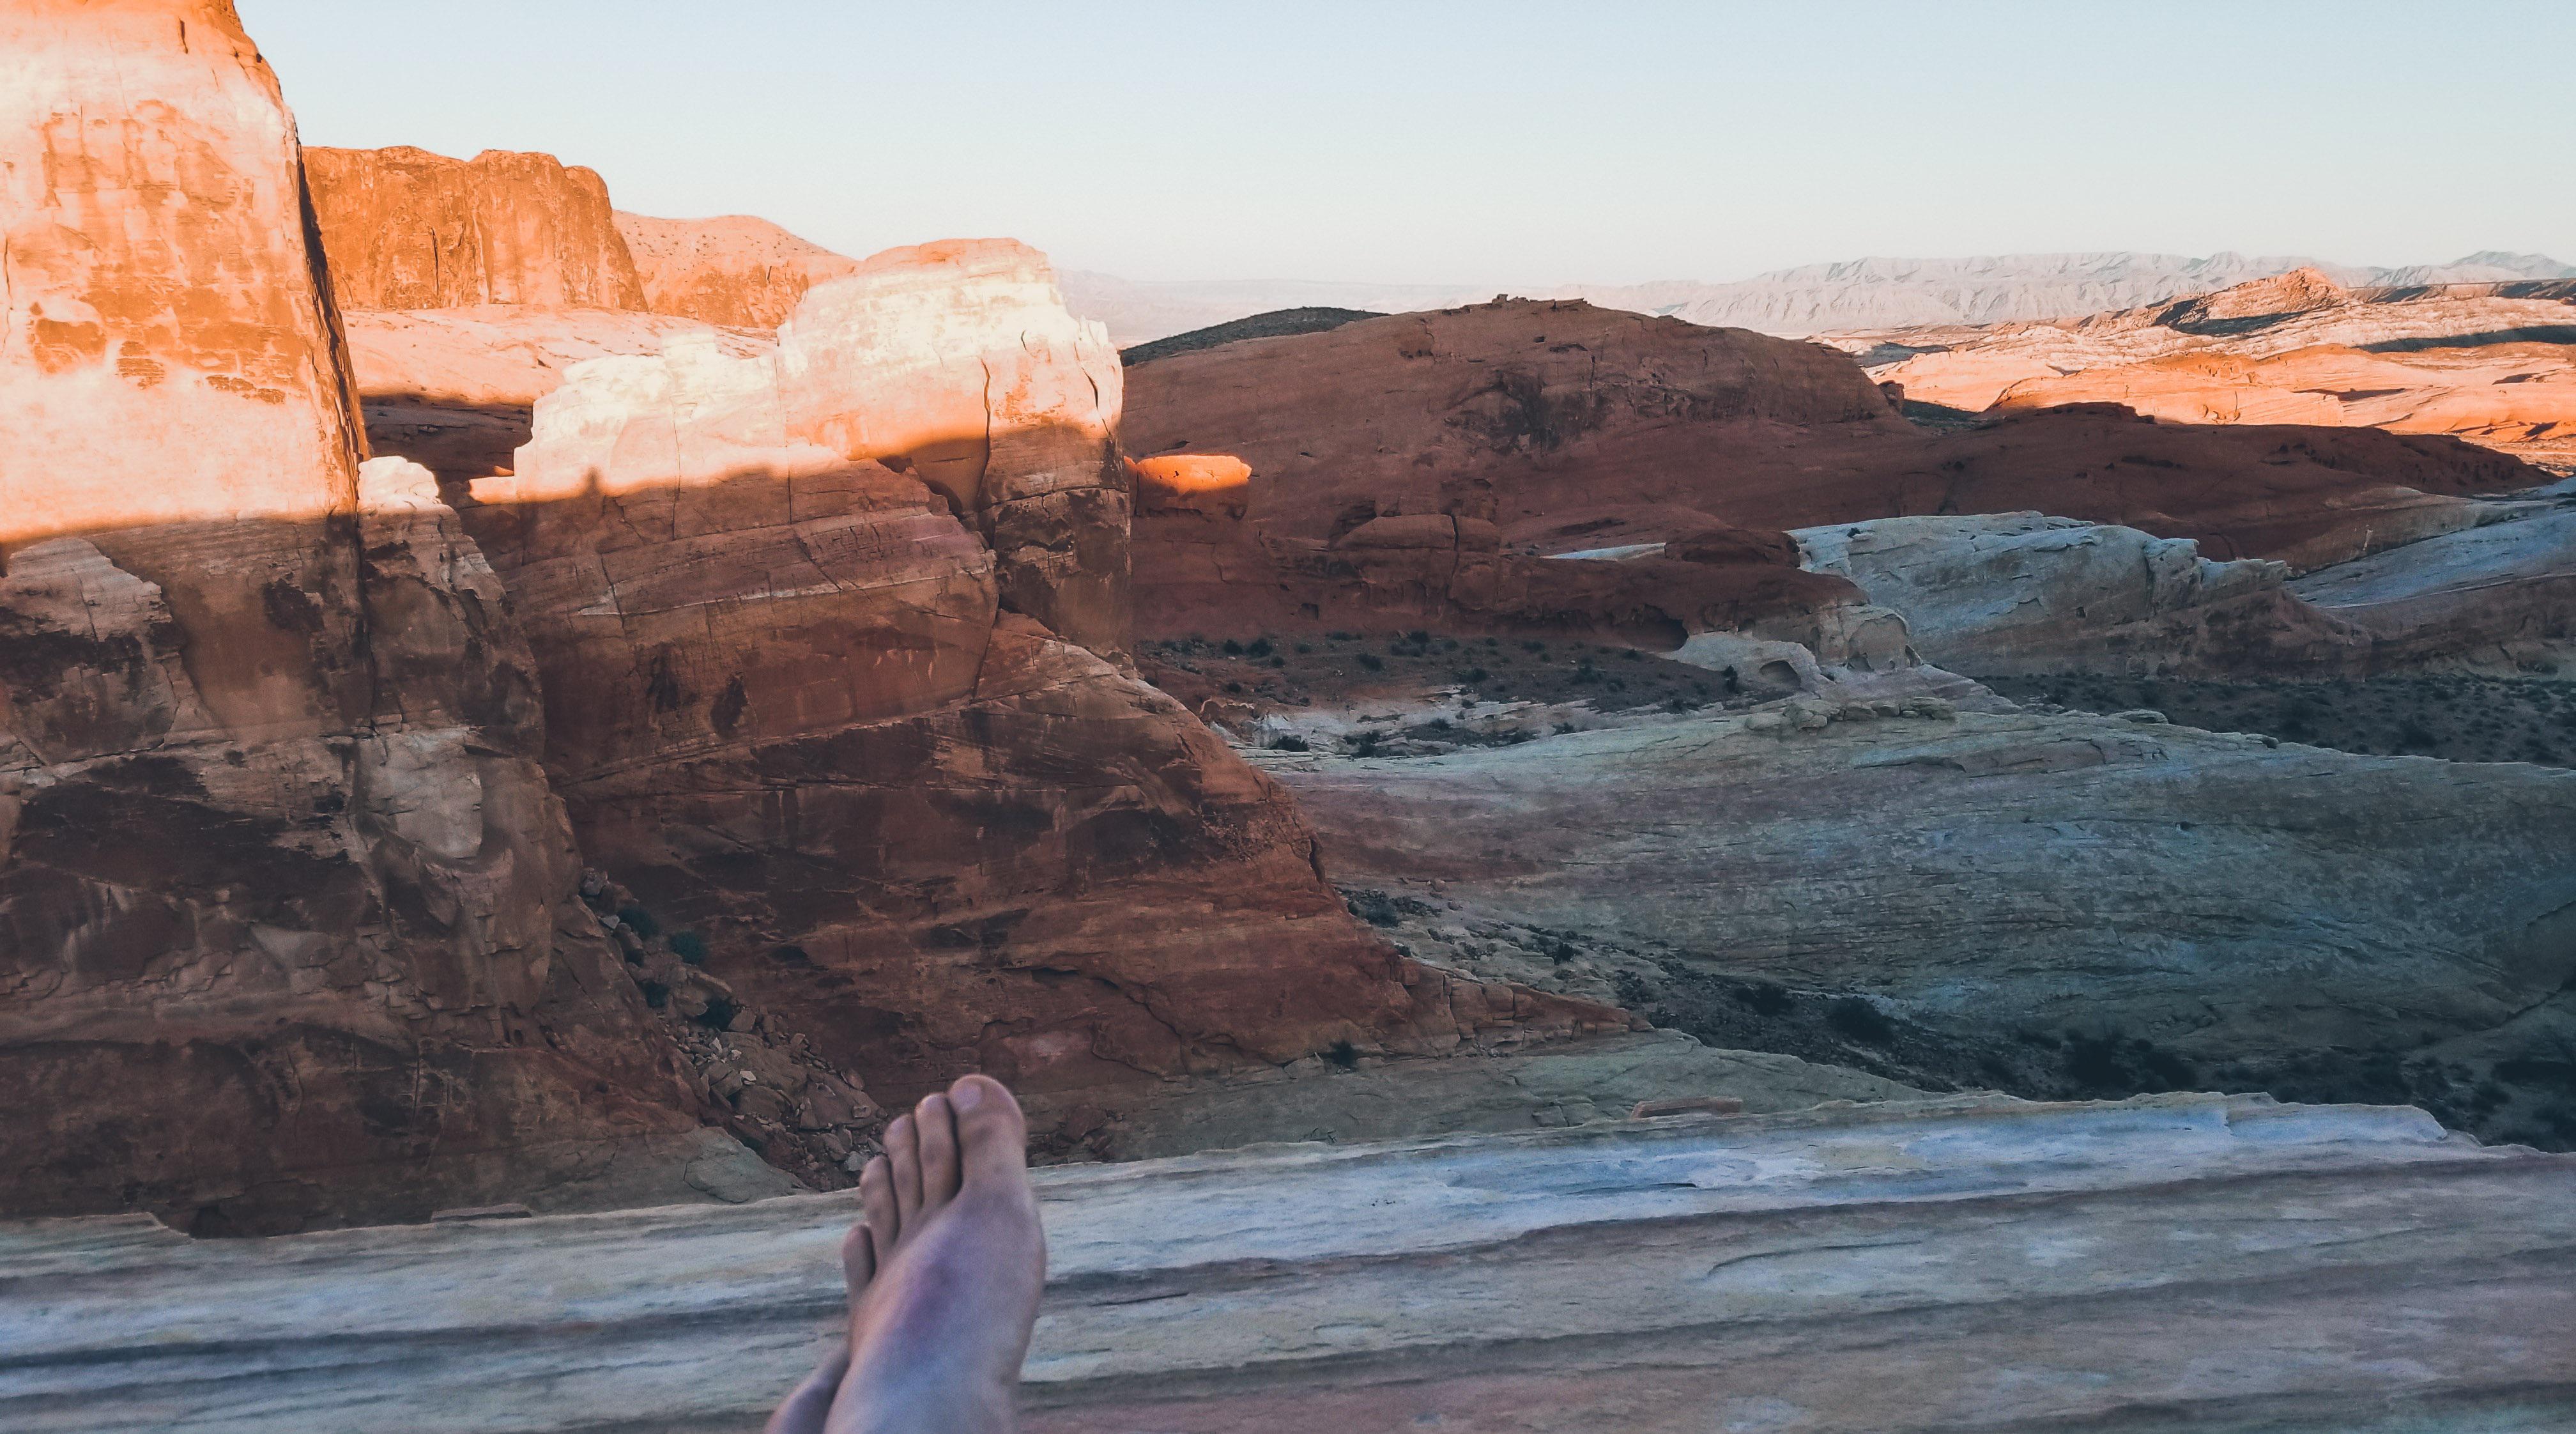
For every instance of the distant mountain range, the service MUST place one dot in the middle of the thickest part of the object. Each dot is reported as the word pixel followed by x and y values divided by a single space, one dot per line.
pixel 1813 299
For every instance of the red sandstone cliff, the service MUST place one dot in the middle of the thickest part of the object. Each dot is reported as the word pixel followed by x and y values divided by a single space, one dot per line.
pixel 288 927
pixel 735 270
pixel 408 229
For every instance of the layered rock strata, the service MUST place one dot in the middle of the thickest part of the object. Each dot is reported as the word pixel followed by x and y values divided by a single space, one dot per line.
pixel 797 614
pixel 2216 1260
pixel 288 928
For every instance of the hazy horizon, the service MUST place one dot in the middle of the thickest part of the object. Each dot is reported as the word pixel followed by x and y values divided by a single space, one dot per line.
pixel 1504 145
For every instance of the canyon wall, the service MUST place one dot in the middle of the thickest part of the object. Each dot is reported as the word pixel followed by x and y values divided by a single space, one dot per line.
pixel 288 923
pixel 408 229
pixel 833 639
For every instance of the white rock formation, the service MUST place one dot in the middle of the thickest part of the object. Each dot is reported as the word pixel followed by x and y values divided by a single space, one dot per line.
pixel 2002 593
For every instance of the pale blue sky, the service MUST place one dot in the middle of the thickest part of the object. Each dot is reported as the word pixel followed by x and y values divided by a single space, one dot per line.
pixel 1497 142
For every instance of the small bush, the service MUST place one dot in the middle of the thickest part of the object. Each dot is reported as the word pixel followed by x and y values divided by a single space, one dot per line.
pixel 690 947
pixel 1233 648
pixel 1290 743
pixel 1258 647
pixel 1373 907
pixel 1860 1020
pixel 1764 999
pixel 639 921
pixel 1343 1054
pixel 1372 661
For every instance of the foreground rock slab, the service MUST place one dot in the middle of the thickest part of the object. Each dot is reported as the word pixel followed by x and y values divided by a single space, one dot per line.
pixel 1962 1264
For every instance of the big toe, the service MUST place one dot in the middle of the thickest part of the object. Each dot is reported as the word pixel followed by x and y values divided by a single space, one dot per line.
pixel 992 1135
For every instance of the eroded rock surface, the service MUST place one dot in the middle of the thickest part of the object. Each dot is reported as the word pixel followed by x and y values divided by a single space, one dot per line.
pixel 2301 1268
pixel 2268 914
pixel 810 704
pixel 2023 592
pixel 1573 428
pixel 288 933
pixel 2486 362
pixel 408 229
pixel 737 270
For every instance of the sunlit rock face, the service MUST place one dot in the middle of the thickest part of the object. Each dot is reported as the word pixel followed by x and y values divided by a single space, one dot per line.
pixel 958 363
pixel 408 229
pixel 286 906
pixel 735 270
pixel 796 618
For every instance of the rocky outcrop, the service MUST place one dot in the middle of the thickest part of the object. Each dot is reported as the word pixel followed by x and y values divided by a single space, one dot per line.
pixel 287 918
pixel 1204 567
pixel 1539 408
pixel 2500 598
pixel 453 388
pixel 408 229
pixel 2302 1268
pixel 1579 429
pixel 2021 592
pixel 737 270
pixel 2023 888
pixel 813 706
pixel 957 363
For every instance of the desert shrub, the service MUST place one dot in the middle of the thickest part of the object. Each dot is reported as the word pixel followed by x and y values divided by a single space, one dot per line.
pixel 1372 661
pixel 1233 648
pixel 1291 743
pixel 690 947
pixel 1258 647
pixel 639 921
pixel 1343 1054
pixel 1372 907
pixel 1858 1019
pixel 1764 999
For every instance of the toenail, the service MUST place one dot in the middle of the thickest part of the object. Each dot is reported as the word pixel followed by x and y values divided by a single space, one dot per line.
pixel 966 1096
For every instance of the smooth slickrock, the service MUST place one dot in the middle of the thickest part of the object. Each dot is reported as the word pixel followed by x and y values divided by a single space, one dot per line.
pixel 286 906
pixel 736 270
pixel 2272 913
pixel 408 229
pixel 1574 428
pixel 2021 592
pixel 792 706
pixel 1955 1265
pixel 2501 597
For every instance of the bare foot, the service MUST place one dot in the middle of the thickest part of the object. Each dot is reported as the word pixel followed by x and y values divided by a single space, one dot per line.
pixel 944 1276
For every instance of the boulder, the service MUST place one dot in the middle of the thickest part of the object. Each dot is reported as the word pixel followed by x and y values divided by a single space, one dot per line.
pixel 286 903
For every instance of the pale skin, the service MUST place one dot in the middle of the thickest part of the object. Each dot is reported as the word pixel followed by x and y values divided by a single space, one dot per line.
pixel 944 1273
